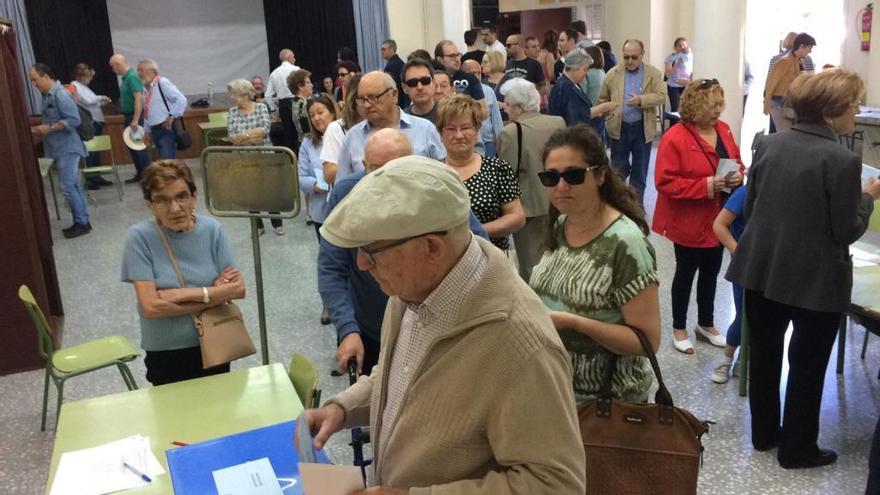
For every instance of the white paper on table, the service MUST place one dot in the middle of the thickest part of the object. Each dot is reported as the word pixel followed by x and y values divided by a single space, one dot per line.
pixel 99 470
pixel 725 167
pixel 250 478
pixel 329 479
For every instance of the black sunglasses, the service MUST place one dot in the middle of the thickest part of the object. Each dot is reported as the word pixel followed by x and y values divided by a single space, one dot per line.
pixel 412 83
pixel 572 176
pixel 708 83
pixel 631 57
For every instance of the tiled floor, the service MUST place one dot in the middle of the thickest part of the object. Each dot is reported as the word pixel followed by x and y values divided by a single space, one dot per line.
pixel 97 304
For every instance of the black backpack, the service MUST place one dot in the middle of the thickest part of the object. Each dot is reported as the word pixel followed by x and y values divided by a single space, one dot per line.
pixel 86 129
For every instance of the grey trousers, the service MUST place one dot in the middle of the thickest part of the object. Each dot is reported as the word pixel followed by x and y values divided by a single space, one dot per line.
pixel 529 242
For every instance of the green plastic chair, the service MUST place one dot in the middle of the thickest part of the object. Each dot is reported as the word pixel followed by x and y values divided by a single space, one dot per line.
pixel 64 363
pixel 96 145
pixel 218 117
pixel 304 377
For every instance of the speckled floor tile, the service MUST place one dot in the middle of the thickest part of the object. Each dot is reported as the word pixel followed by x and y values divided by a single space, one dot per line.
pixel 97 304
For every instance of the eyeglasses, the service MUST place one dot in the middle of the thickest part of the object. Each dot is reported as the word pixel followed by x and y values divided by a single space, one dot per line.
pixel 424 80
pixel 372 99
pixel 452 55
pixel 341 74
pixel 370 253
pixel 181 199
pixel 631 57
pixel 708 83
pixel 455 130
pixel 572 176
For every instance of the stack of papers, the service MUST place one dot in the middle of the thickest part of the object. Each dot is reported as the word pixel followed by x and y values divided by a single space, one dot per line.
pixel 100 469
pixel 861 258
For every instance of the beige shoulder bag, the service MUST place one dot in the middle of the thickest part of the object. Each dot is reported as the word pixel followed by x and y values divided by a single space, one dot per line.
pixel 222 334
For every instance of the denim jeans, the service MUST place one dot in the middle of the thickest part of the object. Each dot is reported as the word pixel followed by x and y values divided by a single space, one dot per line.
pixel 163 139
pixel 140 158
pixel 734 331
pixel 68 176
pixel 632 142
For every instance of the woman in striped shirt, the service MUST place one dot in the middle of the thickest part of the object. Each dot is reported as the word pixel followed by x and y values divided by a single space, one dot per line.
pixel 599 273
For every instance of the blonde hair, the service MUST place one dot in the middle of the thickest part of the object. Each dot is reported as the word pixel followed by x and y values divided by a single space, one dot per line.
pixel 241 87
pixel 456 106
pixel 496 61
pixel 829 93
pixel 695 100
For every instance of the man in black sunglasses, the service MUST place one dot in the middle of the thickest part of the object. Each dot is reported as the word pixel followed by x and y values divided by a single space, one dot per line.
pixel 418 82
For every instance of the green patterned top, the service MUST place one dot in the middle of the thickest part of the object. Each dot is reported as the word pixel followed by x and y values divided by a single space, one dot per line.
pixel 595 281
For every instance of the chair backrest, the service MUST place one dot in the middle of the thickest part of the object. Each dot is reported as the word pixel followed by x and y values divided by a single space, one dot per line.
pixel 99 143
pixel 304 377
pixel 218 117
pixel 44 331
pixel 874 221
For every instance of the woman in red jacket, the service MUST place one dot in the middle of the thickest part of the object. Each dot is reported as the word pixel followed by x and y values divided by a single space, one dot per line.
pixel 689 196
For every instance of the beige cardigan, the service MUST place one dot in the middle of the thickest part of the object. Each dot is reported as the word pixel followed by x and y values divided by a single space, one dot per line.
pixel 653 95
pixel 490 409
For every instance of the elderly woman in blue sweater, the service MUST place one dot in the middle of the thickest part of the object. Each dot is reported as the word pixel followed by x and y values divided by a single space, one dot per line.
pixel 567 99
pixel 204 255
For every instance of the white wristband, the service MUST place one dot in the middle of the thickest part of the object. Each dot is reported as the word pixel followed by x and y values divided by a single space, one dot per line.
pixel 205 298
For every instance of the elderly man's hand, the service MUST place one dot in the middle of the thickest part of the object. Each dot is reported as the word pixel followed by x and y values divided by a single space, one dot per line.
pixel 634 101
pixel 381 490
pixel 323 423
pixel 351 347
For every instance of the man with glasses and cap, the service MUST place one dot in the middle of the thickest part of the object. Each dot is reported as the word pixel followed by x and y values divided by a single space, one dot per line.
pixel 468 349
pixel 377 95
pixel 637 90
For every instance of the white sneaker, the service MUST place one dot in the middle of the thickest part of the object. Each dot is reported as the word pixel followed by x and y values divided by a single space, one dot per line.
pixel 280 231
pixel 722 372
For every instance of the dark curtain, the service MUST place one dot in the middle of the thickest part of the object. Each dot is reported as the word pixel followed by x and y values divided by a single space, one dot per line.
pixel 314 30
pixel 67 32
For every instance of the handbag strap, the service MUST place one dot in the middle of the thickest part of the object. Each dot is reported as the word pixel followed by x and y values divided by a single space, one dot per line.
pixel 662 397
pixel 162 94
pixel 518 146
pixel 700 145
pixel 175 265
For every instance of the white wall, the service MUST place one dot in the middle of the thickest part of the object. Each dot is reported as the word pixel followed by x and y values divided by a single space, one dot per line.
pixel 626 19
pixel 853 57
pixel 408 24
pixel 194 42
pixel 456 20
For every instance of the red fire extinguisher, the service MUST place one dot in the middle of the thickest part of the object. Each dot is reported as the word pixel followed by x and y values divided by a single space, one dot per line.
pixel 866 27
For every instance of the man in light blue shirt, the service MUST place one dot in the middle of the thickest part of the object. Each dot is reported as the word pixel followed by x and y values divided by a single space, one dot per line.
pixel 60 119
pixel 377 93
pixel 163 103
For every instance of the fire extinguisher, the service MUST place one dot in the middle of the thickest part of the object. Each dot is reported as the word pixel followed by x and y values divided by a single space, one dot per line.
pixel 866 27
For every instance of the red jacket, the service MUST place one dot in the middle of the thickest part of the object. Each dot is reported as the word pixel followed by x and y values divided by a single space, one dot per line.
pixel 684 212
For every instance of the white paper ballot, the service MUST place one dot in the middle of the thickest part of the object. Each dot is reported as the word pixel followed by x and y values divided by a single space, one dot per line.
pixel 322 184
pixel 726 167
pixel 99 470
pixel 251 478
pixel 329 479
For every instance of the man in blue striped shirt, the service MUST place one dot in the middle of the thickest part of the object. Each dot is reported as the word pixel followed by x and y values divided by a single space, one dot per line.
pixel 163 103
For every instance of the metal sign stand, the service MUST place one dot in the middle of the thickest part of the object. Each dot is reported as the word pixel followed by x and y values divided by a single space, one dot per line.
pixel 246 182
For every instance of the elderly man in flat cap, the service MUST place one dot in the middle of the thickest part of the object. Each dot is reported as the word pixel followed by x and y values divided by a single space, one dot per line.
pixel 472 393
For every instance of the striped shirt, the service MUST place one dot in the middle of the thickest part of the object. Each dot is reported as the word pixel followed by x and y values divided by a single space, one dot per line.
pixel 202 254
pixel 595 281
pixel 424 324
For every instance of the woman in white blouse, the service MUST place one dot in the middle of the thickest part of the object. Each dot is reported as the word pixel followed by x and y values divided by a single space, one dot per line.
pixel 87 99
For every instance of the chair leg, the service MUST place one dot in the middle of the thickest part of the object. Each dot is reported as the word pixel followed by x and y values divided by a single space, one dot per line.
pixel 54 195
pixel 45 400
pixel 60 385
pixel 865 343
pixel 116 175
pixel 127 376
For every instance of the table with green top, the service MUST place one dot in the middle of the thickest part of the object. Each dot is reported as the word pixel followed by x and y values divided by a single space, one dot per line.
pixel 190 411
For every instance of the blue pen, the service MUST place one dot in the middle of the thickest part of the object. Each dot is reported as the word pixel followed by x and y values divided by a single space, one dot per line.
pixel 137 472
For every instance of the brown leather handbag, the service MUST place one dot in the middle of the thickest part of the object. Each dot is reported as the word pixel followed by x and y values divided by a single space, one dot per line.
pixel 640 448
pixel 222 335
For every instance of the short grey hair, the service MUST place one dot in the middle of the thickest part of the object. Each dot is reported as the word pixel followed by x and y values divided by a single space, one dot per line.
pixel 241 87
pixel 150 64
pixel 392 44
pixel 521 93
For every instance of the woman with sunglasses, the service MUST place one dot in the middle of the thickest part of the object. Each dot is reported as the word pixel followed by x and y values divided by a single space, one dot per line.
pixel 599 272
pixel 690 194
pixel 491 183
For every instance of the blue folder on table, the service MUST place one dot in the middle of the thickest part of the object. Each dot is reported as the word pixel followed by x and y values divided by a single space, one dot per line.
pixel 191 467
